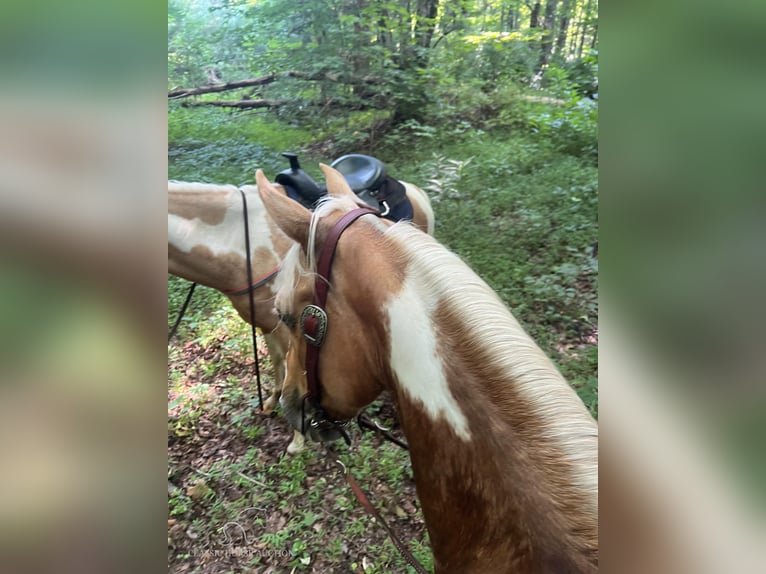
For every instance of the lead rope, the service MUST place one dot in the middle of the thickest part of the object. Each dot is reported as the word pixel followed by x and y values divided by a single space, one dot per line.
pixel 172 332
pixel 372 511
pixel 252 302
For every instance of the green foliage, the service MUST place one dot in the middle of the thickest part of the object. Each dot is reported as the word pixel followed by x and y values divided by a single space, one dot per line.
pixel 205 40
pixel 572 128
pixel 497 56
pixel 410 56
pixel 217 146
pixel 443 177
pixel 195 319
pixel 179 504
pixel 582 74
pixel 187 409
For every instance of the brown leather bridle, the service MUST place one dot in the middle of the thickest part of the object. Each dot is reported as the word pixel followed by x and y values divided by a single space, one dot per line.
pixel 313 323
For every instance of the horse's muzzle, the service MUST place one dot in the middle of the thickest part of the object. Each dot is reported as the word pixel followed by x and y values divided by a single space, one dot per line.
pixel 309 421
pixel 326 431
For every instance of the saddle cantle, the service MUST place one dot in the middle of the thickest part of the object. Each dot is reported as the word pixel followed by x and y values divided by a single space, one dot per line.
pixel 366 176
pixel 362 172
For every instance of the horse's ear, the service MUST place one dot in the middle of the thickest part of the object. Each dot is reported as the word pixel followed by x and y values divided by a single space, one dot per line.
pixel 289 215
pixel 337 186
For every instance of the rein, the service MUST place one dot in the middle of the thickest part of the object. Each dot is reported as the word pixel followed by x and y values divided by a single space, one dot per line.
pixel 252 301
pixel 260 282
pixel 172 332
pixel 375 426
pixel 372 511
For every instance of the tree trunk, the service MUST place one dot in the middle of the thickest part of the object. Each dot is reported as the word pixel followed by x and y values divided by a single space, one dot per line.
pixel 583 27
pixel 534 17
pixel 502 18
pixel 410 100
pixel 359 61
pixel 547 41
pixel 426 11
pixel 594 40
pixel 566 9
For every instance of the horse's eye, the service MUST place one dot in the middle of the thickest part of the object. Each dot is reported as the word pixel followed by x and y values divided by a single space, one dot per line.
pixel 286 318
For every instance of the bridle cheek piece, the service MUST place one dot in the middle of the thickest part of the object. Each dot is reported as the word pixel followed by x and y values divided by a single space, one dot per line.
pixel 313 322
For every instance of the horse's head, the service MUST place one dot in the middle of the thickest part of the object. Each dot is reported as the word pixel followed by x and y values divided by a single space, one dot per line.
pixel 350 350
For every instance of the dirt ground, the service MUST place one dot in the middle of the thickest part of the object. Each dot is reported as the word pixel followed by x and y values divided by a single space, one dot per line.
pixel 239 503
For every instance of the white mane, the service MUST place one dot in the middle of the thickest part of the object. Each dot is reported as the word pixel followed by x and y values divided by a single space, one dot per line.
pixel 515 357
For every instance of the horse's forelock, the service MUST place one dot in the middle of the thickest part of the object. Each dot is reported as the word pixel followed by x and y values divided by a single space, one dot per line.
pixel 292 270
pixel 325 206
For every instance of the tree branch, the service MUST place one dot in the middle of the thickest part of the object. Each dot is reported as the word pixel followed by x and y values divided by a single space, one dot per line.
pixel 178 93
pixel 186 92
pixel 241 104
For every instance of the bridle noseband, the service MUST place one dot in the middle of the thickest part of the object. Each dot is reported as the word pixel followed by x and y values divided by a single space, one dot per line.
pixel 313 323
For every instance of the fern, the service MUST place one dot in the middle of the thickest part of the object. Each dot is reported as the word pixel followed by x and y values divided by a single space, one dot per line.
pixel 443 176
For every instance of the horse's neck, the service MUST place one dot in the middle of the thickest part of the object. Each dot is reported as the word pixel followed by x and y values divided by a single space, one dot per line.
pixel 503 466
pixel 206 236
pixel 504 494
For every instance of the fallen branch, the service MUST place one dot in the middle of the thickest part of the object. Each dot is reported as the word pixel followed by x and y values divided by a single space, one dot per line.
pixel 240 104
pixel 186 92
pixel 178 93
pixel 254 104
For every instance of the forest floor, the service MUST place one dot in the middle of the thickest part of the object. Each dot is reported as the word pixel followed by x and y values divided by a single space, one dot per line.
pixel 239 503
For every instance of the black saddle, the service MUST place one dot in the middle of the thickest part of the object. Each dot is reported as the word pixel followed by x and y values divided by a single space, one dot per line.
pixel 365 175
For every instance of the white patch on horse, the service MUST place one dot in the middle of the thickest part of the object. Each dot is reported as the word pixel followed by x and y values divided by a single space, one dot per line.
pixel 179 231
pixel 227 236
pixel 414 358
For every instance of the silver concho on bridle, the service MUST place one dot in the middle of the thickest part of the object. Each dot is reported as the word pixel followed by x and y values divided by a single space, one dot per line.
pixel 321 317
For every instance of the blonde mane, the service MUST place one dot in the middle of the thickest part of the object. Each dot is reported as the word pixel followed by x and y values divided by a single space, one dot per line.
pixel 513 356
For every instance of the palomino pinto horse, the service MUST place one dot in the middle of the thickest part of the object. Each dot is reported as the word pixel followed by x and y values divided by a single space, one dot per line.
pixel 504 453
pixel 206 244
